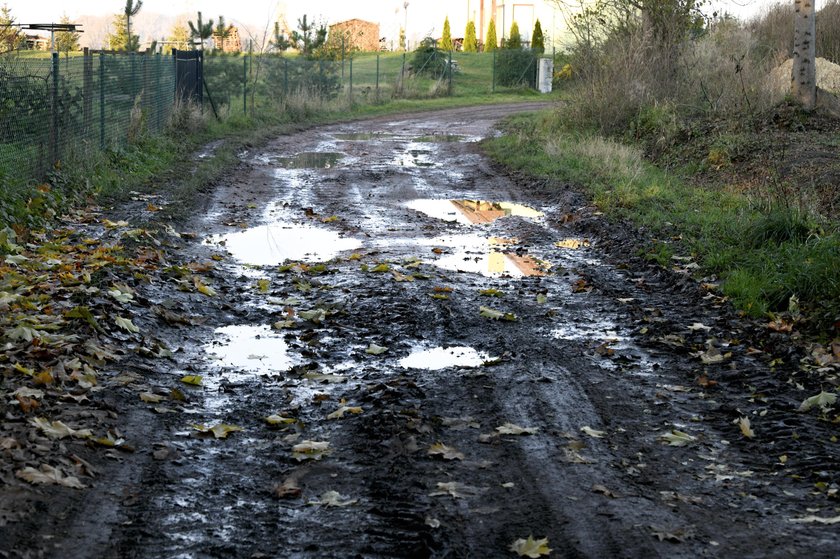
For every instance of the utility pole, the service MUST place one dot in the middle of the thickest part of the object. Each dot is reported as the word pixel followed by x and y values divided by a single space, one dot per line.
pixel 405 27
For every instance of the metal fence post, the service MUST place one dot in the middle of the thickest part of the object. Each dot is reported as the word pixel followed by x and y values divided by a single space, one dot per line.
pixel 377 76
pixel 244 85
pixel 351 79
pixel 493 88
pixel 402 71
pixel 450 74
pixel 87 87
pixel 102 100
pixel 54 112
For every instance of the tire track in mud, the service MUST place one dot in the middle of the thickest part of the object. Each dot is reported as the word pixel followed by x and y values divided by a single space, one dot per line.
pixel 573 359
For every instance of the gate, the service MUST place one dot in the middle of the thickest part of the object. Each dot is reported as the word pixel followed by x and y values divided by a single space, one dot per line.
pixel 189 75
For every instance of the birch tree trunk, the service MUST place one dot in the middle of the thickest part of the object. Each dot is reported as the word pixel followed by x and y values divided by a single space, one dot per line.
pixel 803 77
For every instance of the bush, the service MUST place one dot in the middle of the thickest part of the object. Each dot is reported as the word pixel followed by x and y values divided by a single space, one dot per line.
pixel 516 67
pixel 430 60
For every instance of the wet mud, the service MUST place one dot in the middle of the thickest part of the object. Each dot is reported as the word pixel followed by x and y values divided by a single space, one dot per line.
pixel 428 357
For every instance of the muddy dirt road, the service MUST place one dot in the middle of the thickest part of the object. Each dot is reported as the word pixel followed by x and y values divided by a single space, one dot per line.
pixel 428 359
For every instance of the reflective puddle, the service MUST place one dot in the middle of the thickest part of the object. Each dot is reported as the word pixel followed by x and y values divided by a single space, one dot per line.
pixel 472 212
pixel 417 157
pixel 268 245
pixel 490 257
pixel 250 349
pixel 439 358
pixel 441 138
pixel 362 136
pixel 309 160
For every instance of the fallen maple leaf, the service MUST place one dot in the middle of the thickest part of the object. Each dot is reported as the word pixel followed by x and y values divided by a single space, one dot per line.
pixel 744 425
pixel 333 499
pixel 126 324
pixel 592 432
pixel 194 380
pixel 530 547
pixel 58 430
pixel 823 400
pixel 446 452
pixel 339 413
pixel 310 450
pixel 513 429
pixel 677 438
pixel 374 349
pixel 48 475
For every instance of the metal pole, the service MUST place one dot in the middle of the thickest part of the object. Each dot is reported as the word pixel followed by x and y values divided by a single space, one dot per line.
pixel 244 85
pixel 342 60
pixel 285 77
pixel 102 100
pixel 54 110
pixel 377 76
pixel 494 71
pixel 351 79
pixel 450 73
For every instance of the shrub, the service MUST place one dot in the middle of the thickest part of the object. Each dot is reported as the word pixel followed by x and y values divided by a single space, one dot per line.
pixel 430 60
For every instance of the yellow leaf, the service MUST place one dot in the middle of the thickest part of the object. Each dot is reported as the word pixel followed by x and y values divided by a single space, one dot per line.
pixel 572 243
pixel 151 398
pixel 219 430
pixel 310 450
pixel 194 380
pixel 492 292
pixel 530 547
pixel 677 438
pixel 401 277
pixel 374 349
pixel 592 432
pixel 263 285
pixel 275 419
pixel 513 429
pixel 445 452
pixel 339 413
pixel 126 324
pixel 43 378
pixel 746 429
pixel 333 499
pixel 330 219
pixel 58 430
pixel 383 267
pixel 48 475
pixel 202 288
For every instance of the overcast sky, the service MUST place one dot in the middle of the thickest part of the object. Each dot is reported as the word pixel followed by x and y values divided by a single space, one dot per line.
pixel 423 15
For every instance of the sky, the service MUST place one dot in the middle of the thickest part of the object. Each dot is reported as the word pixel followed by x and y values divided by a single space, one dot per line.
pixel 424 16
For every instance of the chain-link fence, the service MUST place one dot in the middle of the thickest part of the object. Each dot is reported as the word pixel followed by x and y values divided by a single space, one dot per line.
pixel 64 108
pixel 61 108
pixel 252 82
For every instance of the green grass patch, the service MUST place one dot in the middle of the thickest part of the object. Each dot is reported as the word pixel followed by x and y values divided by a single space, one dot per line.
pixel 763 257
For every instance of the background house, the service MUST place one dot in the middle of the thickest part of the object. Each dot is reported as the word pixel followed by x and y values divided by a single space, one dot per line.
pixel 358 34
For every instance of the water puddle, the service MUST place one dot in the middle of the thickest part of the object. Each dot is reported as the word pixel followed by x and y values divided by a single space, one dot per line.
pixel 415 157
pixel 268 245
pixel 439 358
pixel 250 350
pixel 472 212
pixel 441 138
pixel 489 257
pixel 362 136
pixel 309 160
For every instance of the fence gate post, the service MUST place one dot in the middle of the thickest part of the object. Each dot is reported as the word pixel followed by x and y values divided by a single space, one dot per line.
pixel 102 100
pixel 54 112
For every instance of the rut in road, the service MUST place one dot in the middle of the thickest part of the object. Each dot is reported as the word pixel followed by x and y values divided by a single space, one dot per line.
pixel 447 368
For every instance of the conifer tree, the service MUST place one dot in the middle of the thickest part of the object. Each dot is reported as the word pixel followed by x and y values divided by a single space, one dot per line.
pixel 537 39
pixel 470 44
pixel 515 39
pixel 491 43
pixel 446 40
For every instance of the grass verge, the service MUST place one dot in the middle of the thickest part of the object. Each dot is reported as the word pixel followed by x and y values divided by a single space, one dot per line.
pixel 768 260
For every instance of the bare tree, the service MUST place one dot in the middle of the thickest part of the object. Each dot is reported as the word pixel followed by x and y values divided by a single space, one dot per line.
pixel 804 75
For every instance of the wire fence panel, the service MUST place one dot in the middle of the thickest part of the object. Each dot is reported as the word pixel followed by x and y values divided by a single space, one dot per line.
pixel 68 108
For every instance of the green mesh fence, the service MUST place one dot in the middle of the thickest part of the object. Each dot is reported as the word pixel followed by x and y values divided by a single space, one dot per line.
pixel 58 108
pixel 255 82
